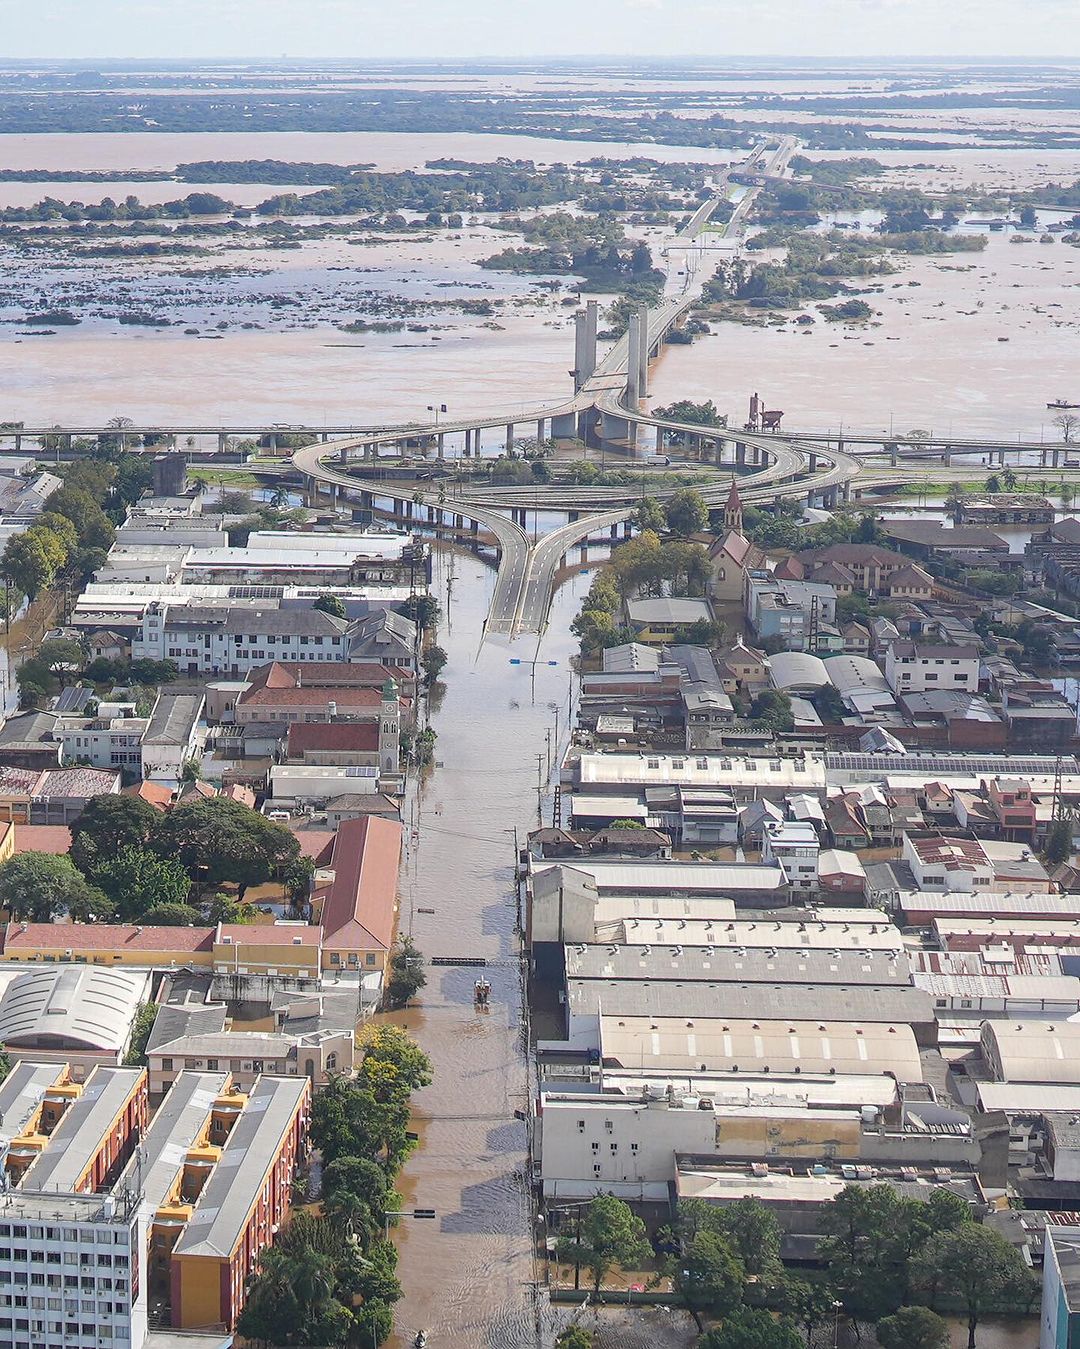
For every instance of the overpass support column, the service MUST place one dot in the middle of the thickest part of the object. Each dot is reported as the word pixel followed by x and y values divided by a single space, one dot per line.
pixel 1056 457
pixel 894 455
pixel 643 352
pixel 222 442
pixel 324 437
pixel 571 517
pixel 509 436
pixel 541 428
pixel 343 456
pixel 740 454
pixel 563 426
pixel 440 442
pixel 578 371
pixel 18 441
pixel 592 325
pixel 845 490
pixel 614 531
pixel 659 440
pixel 946 456
pixel 813 462
pixel 633 362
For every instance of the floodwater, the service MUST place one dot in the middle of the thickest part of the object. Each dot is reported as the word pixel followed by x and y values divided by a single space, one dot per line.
pixel 965 344
pixel 469 1274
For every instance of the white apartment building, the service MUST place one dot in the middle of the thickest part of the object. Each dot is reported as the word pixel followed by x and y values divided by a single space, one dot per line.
pixel 103 742
pixel 70 1273
pixel 923 667
pixel 948 864
pixel 227 641
pixel 794 846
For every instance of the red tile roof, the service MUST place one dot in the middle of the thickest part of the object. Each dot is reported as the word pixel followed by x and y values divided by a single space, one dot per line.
pixel 360 908
pixel 309 697
pixel 158 796
pixel 348 736
pixel 314 843
pixel 105 937
pixel 54 838
pixel 269 934
pixel 283 674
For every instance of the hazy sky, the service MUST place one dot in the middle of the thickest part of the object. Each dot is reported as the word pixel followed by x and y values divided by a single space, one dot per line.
pixel 464 28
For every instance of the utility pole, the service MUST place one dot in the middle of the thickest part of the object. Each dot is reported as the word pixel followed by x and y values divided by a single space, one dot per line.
pixel 540 788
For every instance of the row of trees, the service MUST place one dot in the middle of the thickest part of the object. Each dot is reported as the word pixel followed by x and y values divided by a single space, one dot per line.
pixel 330 1278
pixel 130 863
pixel 888 1260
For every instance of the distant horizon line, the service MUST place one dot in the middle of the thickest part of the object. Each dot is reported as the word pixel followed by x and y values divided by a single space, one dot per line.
pixel 435 62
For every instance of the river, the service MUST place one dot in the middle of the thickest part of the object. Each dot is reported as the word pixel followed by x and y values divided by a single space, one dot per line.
pixel 468 1276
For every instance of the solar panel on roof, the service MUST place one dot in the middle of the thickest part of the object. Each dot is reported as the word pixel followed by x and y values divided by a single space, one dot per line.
pixel 901 763
pixel 240 592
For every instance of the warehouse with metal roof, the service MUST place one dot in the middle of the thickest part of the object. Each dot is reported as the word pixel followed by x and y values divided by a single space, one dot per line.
pixel 1032 1051
pixel 709 1044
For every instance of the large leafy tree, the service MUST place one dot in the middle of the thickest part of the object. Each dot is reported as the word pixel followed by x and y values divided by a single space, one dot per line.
pixel 220 840
pixel 137 882
pixel 686 511
pixel 974 1264
pixel 752 1329
pixel 38 887
pixel 354 1195
pixel 610 1235
pixel 913 1328
pixel 708 1276
pixel 107 825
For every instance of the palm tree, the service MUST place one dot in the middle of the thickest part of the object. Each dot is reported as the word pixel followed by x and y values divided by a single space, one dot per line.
pixel 279 497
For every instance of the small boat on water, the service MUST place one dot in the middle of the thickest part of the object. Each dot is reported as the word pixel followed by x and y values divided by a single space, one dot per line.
pixel 1060 403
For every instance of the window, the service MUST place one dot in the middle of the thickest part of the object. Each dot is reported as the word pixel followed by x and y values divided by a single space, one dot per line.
pixel 166 1065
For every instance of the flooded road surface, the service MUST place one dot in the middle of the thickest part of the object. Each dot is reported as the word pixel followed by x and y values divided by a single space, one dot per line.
pixel 468 1276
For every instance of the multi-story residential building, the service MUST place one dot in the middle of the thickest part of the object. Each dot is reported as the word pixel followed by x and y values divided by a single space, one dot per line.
pixel 920 667
pixel 241 1206
pixel 224 640
pixel 70 1271
pixel 92 1221
pixel 794 846
pixel 104 742
pixel 1059 1316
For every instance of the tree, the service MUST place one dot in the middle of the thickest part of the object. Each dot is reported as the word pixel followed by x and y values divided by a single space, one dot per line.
pixel 219 840
pixel 406 975
pixel 752 1329
pixel 37 887
pixel 955 501
pixel 1059 841
pixel 226 908
pixel 107 825
pixel 754 1233
pixel 31 560
pixel 62 657
pixel 610 1235
pixel 686 511
pixel 434 662
pixel 650 514
pixel 829 703
pixel 331 604
pixel 355 1196
pixel 913 1328
pixel 774 709
pixel 707 1275
pixel 138 882
pixel 1067 424
pixel 152 672
pixel 576 1337
pixel 140 1033
pixel 171 915
pixel 423 610
pixel 972 1263
pixel 386 1043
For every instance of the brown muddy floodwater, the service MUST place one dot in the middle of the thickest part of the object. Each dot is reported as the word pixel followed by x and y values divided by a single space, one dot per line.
pixel 469 1275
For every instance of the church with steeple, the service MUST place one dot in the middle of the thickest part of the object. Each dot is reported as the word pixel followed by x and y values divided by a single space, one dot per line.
pixel 732 556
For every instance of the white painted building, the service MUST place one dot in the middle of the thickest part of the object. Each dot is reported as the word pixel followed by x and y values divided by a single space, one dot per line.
pixel 794 846
pixel 922 667
pixel 68 1264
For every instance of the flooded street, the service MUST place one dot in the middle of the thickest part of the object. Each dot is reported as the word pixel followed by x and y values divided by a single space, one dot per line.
pixel 469 1275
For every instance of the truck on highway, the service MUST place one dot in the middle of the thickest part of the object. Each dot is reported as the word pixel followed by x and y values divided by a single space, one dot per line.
pixel 657 460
